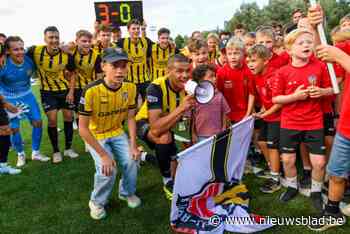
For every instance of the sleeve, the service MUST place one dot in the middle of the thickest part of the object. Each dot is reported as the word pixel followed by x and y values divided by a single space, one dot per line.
pixel 71 65
pixel 154 97
pixel 98 61
pixel 225 106
pixel 277 84
pixel 132 96
pixel 339 70
pixel 30 52
pixel 85 103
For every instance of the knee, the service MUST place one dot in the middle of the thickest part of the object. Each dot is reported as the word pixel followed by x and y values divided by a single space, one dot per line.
pixel 37 124
pixel 288 161
pixel 337 180
pixel 318 164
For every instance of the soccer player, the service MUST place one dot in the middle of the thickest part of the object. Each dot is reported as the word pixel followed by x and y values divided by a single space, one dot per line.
pixel 299 87
pixel 15 86
pixel 104 105
pixel 164 108
pixel 87 62
pixel 116 34
pixel 57 90
pixel 161 52
pixel 104 39
pixel 139 50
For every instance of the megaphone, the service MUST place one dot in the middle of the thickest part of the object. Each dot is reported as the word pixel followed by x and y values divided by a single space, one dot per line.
pixel 203 91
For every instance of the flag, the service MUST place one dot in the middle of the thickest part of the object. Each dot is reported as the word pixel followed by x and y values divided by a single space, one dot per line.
pixel 208 196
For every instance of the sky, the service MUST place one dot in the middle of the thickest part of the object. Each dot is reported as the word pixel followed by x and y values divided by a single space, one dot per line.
pixel 28 19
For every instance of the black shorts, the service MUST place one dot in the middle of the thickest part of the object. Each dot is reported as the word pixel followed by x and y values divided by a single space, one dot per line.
pixel 273 135
pixel 55 100
pixel 291 139
pixel 141 89
pixel 328 124
pixel 4 120
pixel 263 130
pixel 142 128
pixel 77 96
pixel 258 124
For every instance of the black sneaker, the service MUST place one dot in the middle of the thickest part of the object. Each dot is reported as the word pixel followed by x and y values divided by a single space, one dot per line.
pixel 326 220
pixel 317 201
pixel 289 194
pixel 305 182
pixel 266 174
pixel 270 186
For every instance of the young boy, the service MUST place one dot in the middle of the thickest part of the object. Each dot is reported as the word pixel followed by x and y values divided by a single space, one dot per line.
pixel 249 40
pixel 199 52
pixel 233 80
pixel 105 104
pixel 205 125
pixel 299 87
pixel 257 60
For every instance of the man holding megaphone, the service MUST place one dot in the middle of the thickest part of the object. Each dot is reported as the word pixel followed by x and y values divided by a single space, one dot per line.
pixel 165 105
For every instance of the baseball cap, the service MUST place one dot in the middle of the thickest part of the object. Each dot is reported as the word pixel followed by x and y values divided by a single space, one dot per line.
pixel 111 55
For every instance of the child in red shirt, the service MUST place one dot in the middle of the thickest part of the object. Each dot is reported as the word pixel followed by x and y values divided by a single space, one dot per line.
pixel 299 87
pixel 257 60
pixel 233 80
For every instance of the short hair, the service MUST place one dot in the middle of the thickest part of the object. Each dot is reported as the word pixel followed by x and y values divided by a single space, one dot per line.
pixel 266 31
pixel 194 32
pixel 239 26
pixel 235 42
pixel 51 29
pixel 339 36
pixel 3 35
pixel 84 33
pixel 293 35
pixel 345 18
pixel 250 35
pixel 162 31
pixel 213 35
pixel 194 45
pixel 296 10
pixel 12 39
pixel 260 51
pixel 177 58
pixel 115 28
pixel 200 71
pixel 275 24
pixel 104 28
pixel 133 21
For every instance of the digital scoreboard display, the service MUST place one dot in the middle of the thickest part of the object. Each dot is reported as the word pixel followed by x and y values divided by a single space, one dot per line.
pixel 118 12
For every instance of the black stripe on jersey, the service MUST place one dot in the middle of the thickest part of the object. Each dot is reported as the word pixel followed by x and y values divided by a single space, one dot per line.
pixel 42 54
pixel 60 59
pixel 157 73
pixel 132 74
pixel 138 73
pixel 90 57
pixel 167 95
pixel 129 44
pixel 51 61
pixel 81 59
pixel 164 53
pixel 42 78
pixel 177 99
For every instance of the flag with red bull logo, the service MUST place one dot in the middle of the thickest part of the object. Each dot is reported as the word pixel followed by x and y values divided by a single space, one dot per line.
pixel 208 196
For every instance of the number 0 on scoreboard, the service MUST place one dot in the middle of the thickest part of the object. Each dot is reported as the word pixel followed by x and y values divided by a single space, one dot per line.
pixel 119 12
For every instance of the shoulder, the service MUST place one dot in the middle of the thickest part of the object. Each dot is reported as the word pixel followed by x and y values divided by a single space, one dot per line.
pixel 93 85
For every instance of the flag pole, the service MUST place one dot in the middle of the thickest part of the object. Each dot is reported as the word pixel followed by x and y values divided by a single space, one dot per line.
pixel 330 67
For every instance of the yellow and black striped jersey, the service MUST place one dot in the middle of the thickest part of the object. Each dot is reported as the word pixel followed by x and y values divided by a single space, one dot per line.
pixel 159 60
pixel 107 108
pixel 138 54
pixel 50 68
pixel 87 66
pixel 213 55
pixel 99 49
pixel 160 95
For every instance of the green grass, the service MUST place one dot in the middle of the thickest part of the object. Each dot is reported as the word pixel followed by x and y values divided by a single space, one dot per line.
pixel 49 198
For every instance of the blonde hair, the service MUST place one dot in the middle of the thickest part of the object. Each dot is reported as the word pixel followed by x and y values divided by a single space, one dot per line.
pixel 195 45
pixel 266 31
pixel 235 43
pixel 293 35
pixel 214 36
pixel 345 18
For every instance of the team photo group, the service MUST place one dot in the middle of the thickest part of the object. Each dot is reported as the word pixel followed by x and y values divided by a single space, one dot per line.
pixel 128 98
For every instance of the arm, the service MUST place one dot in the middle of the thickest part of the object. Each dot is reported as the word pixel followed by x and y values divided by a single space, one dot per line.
pixel 71 78
pixel 132 134
pixel 273 109
pixel 334 54
pixel 251 101
pixel 299 94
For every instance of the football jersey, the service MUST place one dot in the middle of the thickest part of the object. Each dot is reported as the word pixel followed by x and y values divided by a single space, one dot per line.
pixel 159 60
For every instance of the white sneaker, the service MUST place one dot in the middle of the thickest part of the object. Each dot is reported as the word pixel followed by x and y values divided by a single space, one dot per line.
pixel 133 200
pixel 97 212
pixel 346 210
pixel 6 169
pixel 39 157
pixel 21 160
pixel 75 126
pixel 86 147
pixel 70 153
pixel 57 157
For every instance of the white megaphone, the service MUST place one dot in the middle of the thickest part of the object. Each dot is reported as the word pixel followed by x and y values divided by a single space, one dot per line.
pixel 203 91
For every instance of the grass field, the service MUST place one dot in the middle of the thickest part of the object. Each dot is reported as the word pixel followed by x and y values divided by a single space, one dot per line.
pixel 49 198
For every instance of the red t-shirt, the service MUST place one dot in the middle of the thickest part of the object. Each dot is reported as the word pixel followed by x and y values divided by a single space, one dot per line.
pixel 234 84
pixel 262 91
pixel 278 61
pixel 306 114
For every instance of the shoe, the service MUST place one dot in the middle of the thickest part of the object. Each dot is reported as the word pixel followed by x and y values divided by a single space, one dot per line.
pixel 21 160
pixel 133 200
pixel 266 174
pixel 149 158
pixel 270 186
pixel 86 147
pixel 75 126
pixel 70 153
pixel 346 210
pixel 289 194
pixel 326 220
pixel 305 182
pixel 6 169
pixel 168 189
pixel 97 212
pixel 57 157
pixel 40 157
pixel 317 202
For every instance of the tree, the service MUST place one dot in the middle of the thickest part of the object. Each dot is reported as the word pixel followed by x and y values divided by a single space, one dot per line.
pixel 179 41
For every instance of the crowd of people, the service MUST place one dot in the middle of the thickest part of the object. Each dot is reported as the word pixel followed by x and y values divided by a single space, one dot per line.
pixel 106 81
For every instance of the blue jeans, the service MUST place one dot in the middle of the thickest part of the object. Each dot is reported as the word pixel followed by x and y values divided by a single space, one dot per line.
pixel 339 162
pixel 118 149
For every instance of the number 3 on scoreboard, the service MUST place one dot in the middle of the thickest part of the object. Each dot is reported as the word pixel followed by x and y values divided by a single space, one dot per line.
pixel 104 12
pixel 125 8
